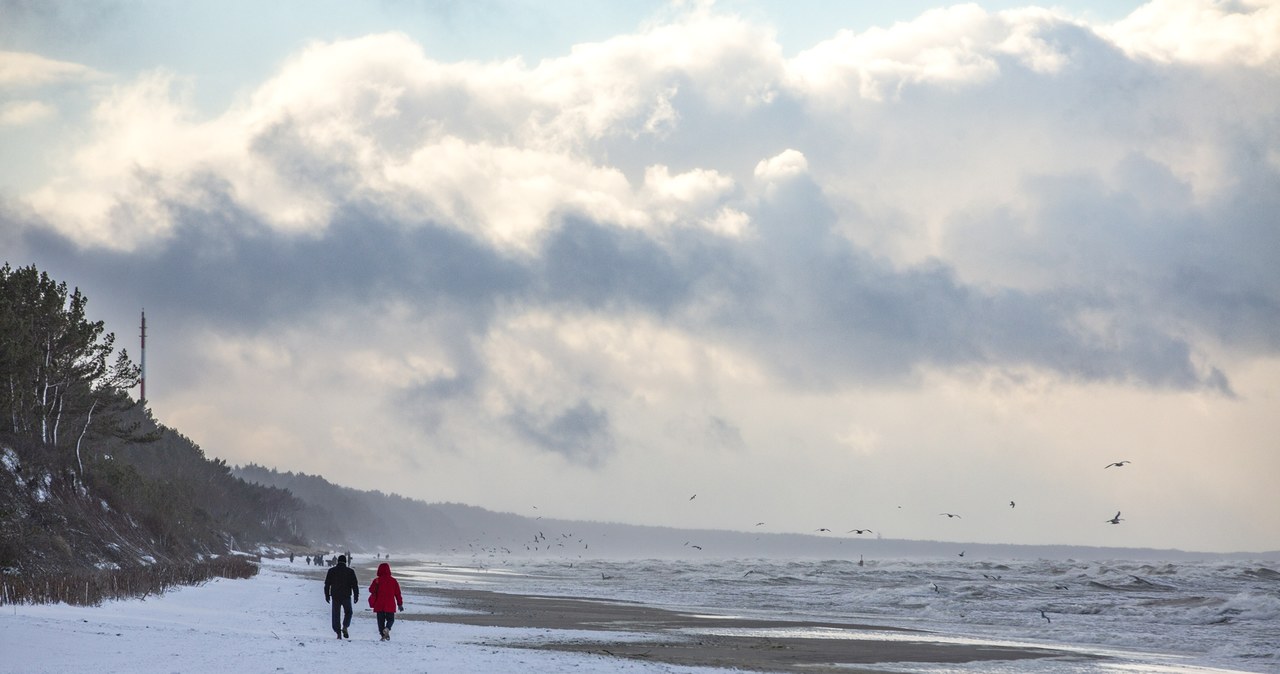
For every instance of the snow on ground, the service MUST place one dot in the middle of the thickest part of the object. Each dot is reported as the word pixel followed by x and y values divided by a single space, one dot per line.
pixel 274 622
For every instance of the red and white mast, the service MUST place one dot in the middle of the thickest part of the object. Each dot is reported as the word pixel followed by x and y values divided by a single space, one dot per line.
pixel 142 380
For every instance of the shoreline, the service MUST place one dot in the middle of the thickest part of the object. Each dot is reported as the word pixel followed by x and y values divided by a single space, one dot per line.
pixel 700 640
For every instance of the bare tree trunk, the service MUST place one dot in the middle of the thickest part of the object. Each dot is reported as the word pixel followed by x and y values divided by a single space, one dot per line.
pixel 13 404
pixel 81 438
pixel 44 395
pixel 57 419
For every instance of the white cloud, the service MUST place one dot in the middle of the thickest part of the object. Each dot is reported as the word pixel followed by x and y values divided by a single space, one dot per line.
pixel 21 113
pixel 783 166
pixel 22 69
pixel 687 198
pixel 1245 32
pixel 124 183
pixel 955 46
pixel 495 149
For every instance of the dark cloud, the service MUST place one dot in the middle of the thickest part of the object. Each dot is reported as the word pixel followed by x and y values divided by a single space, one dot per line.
pixel 831 313
pixel 818 310
pixel 428 405
pixel 581 434
pixel 724 433
pixel 602 268
pixel 34 24
pixel 221 266
pixel 1132 269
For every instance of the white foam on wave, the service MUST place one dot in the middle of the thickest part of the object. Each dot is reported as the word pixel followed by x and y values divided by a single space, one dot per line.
pixel 1209 615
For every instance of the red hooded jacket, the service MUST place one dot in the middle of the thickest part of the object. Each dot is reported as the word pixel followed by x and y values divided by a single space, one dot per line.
pixel 384 591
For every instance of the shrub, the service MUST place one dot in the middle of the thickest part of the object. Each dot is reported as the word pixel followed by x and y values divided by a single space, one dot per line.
pixel 91 588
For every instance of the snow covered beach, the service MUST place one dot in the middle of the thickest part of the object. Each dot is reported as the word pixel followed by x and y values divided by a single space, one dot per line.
pixel 274 622
pixel 462 618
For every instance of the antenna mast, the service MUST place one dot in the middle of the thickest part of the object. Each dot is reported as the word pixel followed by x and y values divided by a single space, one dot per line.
pixel 142 381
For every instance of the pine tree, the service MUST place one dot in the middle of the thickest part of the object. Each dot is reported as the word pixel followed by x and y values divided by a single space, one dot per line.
pixel 58 382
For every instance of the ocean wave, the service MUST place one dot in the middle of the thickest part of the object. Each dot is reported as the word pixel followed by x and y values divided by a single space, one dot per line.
pixel 1217 613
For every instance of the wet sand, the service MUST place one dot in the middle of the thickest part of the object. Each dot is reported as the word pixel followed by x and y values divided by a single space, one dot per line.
pixel 665 640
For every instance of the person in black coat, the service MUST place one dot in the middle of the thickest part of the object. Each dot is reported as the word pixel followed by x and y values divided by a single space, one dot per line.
pixel 340 588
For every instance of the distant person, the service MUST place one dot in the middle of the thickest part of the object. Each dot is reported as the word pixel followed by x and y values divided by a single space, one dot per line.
pixel 385 599
pixel 341 586
pixel 291 557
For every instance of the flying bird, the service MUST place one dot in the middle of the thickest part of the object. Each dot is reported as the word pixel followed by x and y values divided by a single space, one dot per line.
pixel 759 524
pixel 1045 616
pixel 1116 519
pixel 1117 464
pixel 693 497
pixel 859 531
pixel 950 515
pixel 1012 504
pixel 823 529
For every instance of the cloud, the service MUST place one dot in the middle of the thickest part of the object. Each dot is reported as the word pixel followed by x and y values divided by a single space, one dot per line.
pixel 953 47
pixel 1201 31
pixel 957 240
pixel 21 113
pixel 580 433
pixel 1013 193
pixel 788 164
pixel 24 70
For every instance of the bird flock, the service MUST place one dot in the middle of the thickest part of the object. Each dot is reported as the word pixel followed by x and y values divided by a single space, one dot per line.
pixel 1115 519
pixel 561 544
pixel 566 542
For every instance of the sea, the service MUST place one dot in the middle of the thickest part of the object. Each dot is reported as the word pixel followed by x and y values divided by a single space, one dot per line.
pixel 1173 618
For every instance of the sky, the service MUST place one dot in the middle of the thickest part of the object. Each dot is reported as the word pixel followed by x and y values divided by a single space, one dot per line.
pixel 824 265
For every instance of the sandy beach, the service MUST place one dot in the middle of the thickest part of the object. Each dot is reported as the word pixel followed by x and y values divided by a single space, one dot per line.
pixel 698 640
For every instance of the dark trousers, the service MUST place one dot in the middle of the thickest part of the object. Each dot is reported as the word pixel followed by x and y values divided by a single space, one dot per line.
pixel 343 605
pixel 385 620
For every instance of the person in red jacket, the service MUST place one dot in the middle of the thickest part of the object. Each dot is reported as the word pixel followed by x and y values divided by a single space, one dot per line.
pixel 385 599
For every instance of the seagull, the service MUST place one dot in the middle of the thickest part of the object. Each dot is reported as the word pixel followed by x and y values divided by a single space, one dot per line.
pixel 950 515
pixel 1117 464
pixel 696 547
pixel 759 524
pixel 823 529
pixel 859 531
pixel 1045 616
pixel 1116 519
pixel 962 553
pixel 1012 504
pixel 693 497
